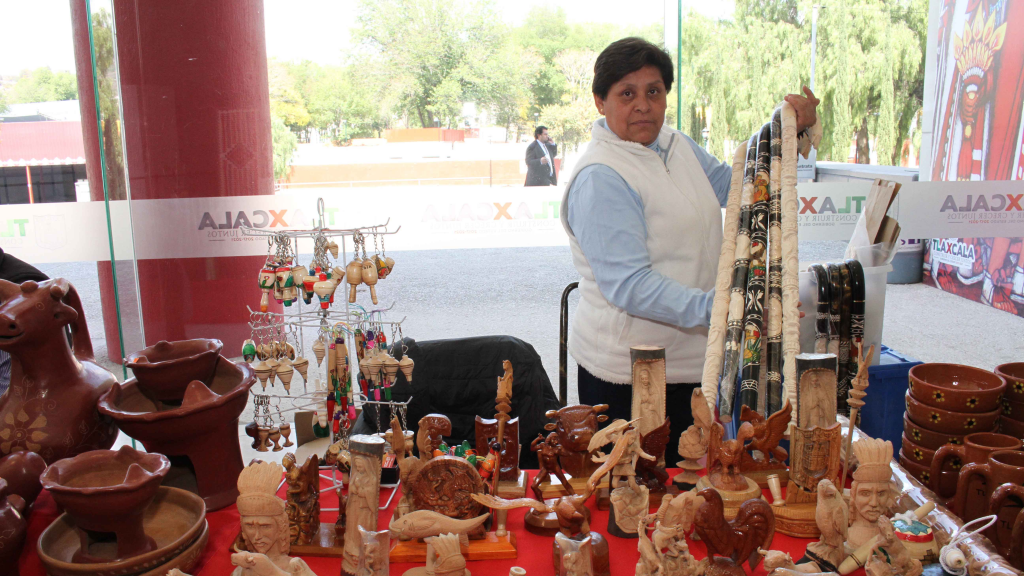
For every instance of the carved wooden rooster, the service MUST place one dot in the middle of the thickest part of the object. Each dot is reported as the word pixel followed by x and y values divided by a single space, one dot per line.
pixel 738 539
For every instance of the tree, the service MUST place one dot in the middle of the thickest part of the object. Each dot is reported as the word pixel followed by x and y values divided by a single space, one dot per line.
pixel 570 121
pixel 284 143
pixel 43 85
pixel 285 101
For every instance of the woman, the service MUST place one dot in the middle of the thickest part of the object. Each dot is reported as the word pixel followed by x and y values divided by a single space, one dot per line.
pixel 643 215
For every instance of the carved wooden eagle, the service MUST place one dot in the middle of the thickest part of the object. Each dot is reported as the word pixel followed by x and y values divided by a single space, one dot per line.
pixel 768 432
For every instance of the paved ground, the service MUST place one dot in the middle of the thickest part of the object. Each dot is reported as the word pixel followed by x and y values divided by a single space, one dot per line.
pixel 457 293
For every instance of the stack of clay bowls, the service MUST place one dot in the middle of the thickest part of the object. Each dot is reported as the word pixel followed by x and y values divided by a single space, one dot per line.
pixel 1012 420
pixel 156 528
pixel 945 403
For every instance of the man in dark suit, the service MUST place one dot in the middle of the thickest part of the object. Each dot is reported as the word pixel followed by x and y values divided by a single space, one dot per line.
pixel 540 159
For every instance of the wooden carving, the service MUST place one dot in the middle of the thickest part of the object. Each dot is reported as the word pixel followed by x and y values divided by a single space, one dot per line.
pixel 773 303
pixel 739 539
pixel 693 442
pixel 833 520
pixel 373 557
pixel 575 426
pixel 577 556
pixel 427 523
pixel 720 309
pixel 816 390
pixel 648 369
pixel 548 451
pixel 363 495
pixel 724 457
pixel 815 458
pixel 486 432
pixel 433 429
pixel 629 499
pixel 407 466
pixel 648 472
pixel 303 501
pixel 446 484
pixel 678 511
pixel 767 434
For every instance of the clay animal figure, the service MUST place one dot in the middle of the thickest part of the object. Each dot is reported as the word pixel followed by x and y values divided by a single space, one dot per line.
pixel 427 523
pixel 13 528
pixel 737 539
pixel 833 520
pixel 576 425
pixel 50 408
pixel 768 432
pixel 724 457
pixel 648 472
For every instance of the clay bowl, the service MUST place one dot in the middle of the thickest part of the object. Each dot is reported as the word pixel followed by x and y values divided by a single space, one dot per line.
pixel 925 438
pixel 1013 373
pixel 108 491
pixel 1013 410
pixel 947 483
pixel 165 369
pixel 923 456
pixel 956 388
pixel 204 427
pixel 949 422
pixel 1011 427
pixel 175 519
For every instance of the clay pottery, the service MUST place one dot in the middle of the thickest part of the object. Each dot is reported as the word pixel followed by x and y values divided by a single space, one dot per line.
pixel 1013 373
pixel 175 519
pixel 165 369
pixel 13 528
pixel 49 407
pixel 1012 550
pixel 1002 467
pixel 925 438
pixel 21 470
pixel 947 480
pixel 1013 410
pixel 949 422
pixel 1010 427
pixel 924 456
pixel 204 428
pixel 956 388
pixel 108 491
pixel 975 449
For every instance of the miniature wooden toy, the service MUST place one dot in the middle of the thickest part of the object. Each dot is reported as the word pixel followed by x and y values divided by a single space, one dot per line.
pixel 833 520
pixel 575 426
pixel 369 277
pixel 739 539
pixel 13 528
pixel 354 276
pixel 373 557
pixel 45 367
pixel 693 442
pixel 365 453
pixel 765 440
pixel 444 558
pixel 775 486
pixel 548 450
pixel 506 480
pixel 648 369
pixel 264 522
pixel 629 500
pixel 406 365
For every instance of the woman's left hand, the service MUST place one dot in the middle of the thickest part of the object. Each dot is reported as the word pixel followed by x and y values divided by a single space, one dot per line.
pixel 805 106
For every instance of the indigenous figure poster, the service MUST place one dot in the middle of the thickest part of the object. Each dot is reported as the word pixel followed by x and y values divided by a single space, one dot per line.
pixel 973 130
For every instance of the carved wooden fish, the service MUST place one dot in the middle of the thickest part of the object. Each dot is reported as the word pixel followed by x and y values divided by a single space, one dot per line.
pixel 426 523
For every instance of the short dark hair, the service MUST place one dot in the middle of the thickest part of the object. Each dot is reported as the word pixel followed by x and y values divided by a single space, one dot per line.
pixel 539 130
pixel 623 57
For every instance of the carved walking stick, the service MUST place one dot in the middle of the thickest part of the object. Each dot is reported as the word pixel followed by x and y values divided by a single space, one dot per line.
pixel 734 332
pixel 821 312
pixel 858 390
pixel 720 308
pixel 847 364
pixel 773 307
pixel 753 323
pixel 856 306
pixel 503 406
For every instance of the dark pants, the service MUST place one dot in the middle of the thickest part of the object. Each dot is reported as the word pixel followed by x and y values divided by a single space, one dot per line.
pixel 619 398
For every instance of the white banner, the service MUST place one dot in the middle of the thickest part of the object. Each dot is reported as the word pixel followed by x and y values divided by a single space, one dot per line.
pixel 448 217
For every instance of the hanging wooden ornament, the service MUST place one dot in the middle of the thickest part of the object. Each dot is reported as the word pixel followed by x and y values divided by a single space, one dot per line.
pixel 333 248
pixel 376 363
pixel 284 374
pixel 301 364
pixel 341 358
pixel 248 350
pixel 391 366
pixel 273 364
pixel 286 432
pixel 262 373
pixel 262 351
pixel 406 364
pixel 267 280
pixel 287 351
pixel 370 278
pixel 354 275
pixel 299 273
pixel 338 274
pixel 324 289
pixel 319 350
pixel 307 288
pixel 360 344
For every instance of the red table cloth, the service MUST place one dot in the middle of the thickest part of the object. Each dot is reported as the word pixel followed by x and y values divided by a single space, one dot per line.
pixel 534 551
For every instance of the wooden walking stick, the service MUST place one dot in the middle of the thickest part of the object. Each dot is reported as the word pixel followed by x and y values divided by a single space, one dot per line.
pixel 773 305
pixel 858 390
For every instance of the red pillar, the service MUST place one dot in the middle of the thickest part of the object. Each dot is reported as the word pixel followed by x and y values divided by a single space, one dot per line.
pixel 194 90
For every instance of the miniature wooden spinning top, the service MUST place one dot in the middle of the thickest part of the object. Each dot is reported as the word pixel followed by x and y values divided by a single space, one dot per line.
pixel 370 278
pixel 301 364
pixel 354 276
pixel 248 350
pixel 284 373
pixel 391 367
pixel 332 246
pixel 406 364
pixel 262 371
pixel 274 364
pixel 319 350
pixel 324 290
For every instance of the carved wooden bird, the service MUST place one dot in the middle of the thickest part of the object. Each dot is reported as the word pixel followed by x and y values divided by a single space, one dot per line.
pixel 648 472
pixel 831 515
pixel 768 432
pixel 693 442
pixel 738 539
pixel 727 452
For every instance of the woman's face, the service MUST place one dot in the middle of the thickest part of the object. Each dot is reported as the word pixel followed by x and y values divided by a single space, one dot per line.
pixel 635 106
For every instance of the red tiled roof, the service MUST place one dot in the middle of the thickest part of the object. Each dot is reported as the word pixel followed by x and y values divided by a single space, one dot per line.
pixel 41 143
